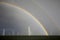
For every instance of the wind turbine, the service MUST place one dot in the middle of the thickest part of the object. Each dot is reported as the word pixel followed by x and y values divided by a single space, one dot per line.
pixel 29 30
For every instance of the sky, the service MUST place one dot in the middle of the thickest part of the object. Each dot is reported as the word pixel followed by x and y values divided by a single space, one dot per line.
pixel 46 11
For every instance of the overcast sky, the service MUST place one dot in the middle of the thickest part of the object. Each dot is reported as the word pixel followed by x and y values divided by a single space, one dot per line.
pixel 46 11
